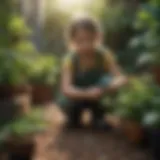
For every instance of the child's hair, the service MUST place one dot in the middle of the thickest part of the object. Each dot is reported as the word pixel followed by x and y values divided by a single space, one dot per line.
pixel 86 23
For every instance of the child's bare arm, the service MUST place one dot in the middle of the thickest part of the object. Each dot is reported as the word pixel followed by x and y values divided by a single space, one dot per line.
pixel 119 79
pixel 66 84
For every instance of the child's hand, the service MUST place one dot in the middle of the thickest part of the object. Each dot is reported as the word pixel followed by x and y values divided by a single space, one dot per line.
pixel 94 93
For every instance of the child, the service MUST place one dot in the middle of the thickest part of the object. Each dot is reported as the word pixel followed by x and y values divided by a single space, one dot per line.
pixel 87 73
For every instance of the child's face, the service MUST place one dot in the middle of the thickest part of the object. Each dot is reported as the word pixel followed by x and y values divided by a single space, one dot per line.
pixel 84 41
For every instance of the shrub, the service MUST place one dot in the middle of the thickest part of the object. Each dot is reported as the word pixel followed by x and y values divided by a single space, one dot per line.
pixel 132 100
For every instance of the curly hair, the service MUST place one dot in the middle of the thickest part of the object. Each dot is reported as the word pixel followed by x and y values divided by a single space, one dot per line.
pixel 86 23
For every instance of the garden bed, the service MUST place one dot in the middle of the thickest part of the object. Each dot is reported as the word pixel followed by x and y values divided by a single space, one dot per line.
pixel 85 144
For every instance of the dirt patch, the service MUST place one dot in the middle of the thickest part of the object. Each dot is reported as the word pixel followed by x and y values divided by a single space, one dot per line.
pixel 85 145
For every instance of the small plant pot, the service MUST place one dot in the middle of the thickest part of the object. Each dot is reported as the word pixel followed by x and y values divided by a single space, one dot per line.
pixel 155 143
pixel 133 131
pixel 42 94
pixel 20 149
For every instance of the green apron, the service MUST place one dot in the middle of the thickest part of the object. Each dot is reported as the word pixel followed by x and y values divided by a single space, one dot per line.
pixel 95 77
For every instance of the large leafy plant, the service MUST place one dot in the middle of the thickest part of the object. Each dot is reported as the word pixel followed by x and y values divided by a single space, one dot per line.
pixel 15 46
pixel 23 126
pixel 132 100
pixel 14 68
pixel 151 118
pixel 147 24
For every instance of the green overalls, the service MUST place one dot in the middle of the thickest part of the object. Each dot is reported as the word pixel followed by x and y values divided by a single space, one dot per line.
pixel 95 77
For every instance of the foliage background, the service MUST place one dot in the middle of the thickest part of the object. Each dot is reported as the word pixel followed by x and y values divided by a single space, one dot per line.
pixel 130 27
pixel 32 43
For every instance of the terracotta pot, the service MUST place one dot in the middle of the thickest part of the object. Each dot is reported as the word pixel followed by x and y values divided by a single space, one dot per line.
pixel 42 94
pixel 156 74
pixel 9 91
pixel 133 131
pixel 20 149
pixel 22 89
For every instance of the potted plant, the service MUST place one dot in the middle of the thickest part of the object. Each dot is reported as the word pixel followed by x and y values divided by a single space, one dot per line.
pixel 151 121
pixel 131 106
pixel 15 61
pixel 14 72
pixel 43 79
pixel 17 138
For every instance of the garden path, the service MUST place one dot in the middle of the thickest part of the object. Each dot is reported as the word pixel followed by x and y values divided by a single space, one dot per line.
pixel 58 144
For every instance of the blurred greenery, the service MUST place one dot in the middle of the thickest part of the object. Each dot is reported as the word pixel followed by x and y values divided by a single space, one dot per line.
pixel 131 29
pixel 4 8
pixel 25 125
pixel 17 68
pixel 31 123
pixel 151 118
pixel 147 24
pixel 14 68
pixel 44 70
pixel 20 61
pixel 139 101
pixel 132 100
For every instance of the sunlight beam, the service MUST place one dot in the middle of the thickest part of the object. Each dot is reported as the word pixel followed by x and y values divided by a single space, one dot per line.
pixel 72 5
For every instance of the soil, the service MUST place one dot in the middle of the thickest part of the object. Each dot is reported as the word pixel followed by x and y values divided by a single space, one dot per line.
pixel 59 144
